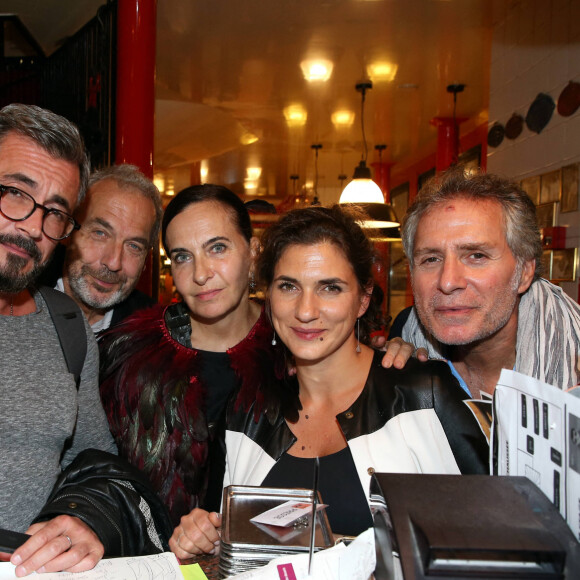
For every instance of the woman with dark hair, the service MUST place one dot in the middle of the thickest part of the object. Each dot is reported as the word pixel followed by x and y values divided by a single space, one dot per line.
pixel 168 373
pixel 342 405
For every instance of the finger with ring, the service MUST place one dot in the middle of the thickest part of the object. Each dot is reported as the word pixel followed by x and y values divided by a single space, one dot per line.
pixel 69 541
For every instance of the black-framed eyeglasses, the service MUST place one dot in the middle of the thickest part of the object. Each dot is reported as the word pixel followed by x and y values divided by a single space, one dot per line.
pixel 17 205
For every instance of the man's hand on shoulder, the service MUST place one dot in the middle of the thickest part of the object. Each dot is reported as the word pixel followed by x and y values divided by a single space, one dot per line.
pixel 397 351
pixel 64 543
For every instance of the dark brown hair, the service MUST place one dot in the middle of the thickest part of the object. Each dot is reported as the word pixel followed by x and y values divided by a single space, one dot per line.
pixel 208 192
pixel 338 226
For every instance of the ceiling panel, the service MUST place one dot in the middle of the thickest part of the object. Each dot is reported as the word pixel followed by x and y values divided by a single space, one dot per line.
pixel 243 58
pixel 226 71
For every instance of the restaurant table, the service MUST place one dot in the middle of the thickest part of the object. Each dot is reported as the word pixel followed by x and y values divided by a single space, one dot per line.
pixel 209 564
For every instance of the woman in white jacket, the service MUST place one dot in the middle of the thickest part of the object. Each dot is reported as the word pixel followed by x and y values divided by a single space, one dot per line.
pixel 342 405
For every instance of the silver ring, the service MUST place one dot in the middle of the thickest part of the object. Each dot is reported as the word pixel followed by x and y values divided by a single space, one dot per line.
pixel 69 541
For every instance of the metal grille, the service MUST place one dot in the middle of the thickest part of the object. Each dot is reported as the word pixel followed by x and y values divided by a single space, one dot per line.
pixel 78 82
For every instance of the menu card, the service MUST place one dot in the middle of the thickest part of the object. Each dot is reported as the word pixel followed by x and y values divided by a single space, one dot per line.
pixel 537 434
pixel 156 567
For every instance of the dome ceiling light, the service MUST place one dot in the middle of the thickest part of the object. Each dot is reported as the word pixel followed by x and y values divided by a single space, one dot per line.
pixel 362 189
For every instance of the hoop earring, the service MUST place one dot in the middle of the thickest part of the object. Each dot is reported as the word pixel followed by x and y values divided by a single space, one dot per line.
pixel 358 335
pixel 274 343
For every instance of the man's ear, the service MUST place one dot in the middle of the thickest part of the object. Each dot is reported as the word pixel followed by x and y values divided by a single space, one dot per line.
pixel 527 276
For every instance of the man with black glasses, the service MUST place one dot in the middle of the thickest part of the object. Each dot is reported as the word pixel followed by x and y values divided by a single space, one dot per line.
pixel 50 416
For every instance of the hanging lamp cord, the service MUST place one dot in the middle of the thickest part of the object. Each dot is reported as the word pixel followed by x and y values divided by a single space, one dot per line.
pixel 316 172
pixel 362 123
pixel 455 130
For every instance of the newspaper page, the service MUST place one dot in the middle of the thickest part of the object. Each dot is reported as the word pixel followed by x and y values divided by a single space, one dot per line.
pixel 155 567
pixel 538 435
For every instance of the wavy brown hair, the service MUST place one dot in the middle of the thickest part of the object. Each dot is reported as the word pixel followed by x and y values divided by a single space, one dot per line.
pixel 338 226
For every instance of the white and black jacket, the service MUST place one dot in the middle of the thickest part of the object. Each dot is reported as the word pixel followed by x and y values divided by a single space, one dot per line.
pixel 411 420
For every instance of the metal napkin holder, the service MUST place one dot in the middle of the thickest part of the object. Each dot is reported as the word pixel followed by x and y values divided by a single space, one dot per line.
pixel 246 545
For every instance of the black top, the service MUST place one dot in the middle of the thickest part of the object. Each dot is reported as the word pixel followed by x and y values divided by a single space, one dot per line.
pixel 216 371
pixel 339 486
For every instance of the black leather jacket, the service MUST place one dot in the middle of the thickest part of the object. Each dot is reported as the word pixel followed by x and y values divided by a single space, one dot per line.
pixel 107 493
pixel 383 443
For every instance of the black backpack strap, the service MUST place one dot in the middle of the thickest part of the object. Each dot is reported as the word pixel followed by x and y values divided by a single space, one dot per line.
pixel 70 327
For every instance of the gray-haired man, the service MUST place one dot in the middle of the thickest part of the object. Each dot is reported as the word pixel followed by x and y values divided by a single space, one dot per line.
pixel 474 250
pixel 120 220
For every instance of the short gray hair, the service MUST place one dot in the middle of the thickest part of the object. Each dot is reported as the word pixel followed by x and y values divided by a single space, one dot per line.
pixel 55 134
pixel 519 212
pixel 130 177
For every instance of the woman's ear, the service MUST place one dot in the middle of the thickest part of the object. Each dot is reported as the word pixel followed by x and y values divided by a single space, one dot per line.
pixel 365 299
pixel 254 248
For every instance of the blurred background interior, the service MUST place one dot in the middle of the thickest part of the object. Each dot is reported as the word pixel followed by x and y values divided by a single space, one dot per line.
pixel 281 100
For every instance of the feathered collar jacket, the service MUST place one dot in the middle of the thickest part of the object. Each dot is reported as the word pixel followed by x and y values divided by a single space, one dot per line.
pixel 156 402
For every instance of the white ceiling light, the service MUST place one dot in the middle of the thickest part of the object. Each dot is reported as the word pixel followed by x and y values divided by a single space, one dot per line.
pixel 342 118
pixel 295 115
pixel 382 71
pixel 362 190
pixel 316 69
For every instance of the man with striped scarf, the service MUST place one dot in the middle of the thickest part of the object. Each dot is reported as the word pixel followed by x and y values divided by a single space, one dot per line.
pixel 474 251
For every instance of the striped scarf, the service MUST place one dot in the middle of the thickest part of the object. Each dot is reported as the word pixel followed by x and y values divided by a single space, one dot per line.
pixel 548 343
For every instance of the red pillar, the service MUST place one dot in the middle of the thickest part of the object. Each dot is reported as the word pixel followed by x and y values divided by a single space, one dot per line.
pixel 135 100
pixel 447 141
pixel 135 110
pixel 383 177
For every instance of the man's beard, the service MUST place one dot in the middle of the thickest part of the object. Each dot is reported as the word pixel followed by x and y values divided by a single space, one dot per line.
pixel 493 322
pixel 82 289
pixel 12 280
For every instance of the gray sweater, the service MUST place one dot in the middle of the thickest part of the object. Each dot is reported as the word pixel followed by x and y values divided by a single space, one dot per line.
pixel 44 421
